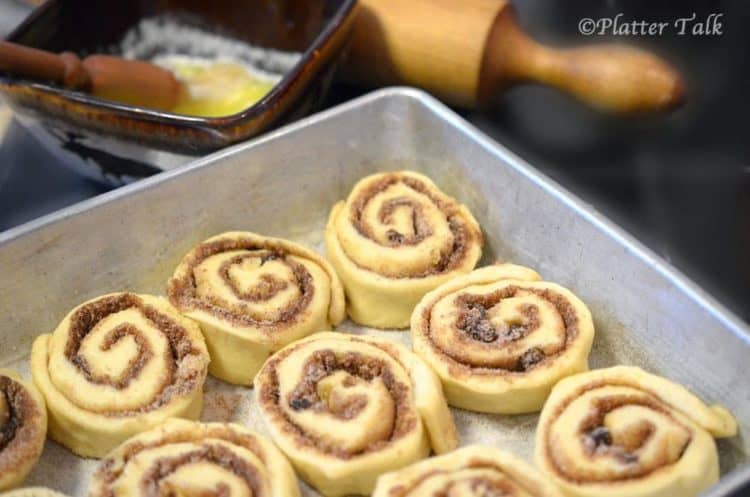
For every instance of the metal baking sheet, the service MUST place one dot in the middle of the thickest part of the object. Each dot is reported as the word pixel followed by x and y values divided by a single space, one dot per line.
pixel 284 184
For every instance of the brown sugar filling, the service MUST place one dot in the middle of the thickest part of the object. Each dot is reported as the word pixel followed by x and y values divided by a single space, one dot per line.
pixel 420 228
pixel 270 285
pixel 597 440
pixel 463 236
pixel 215 454
pixel 501 485
pixel 8 416
pixel 182 291
pixel 472 321
pixel 21 432
pixel 321 364
pixel 179 379
pixel 111 469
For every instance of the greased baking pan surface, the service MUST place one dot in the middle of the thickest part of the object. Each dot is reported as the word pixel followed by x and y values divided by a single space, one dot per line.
pixel 284 185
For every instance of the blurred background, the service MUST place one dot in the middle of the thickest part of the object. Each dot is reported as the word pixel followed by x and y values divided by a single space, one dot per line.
pixel 679 182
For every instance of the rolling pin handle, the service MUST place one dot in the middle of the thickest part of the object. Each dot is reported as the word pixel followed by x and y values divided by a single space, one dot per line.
pixel 614 78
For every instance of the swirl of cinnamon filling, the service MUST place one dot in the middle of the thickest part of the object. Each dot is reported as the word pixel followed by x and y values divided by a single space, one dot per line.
pixel 623 432
pixel 473 471
pixel 499 338
pixel 23 428
pixel 181 458
pixel 117 365
pixel 347 408
pixel 252 295
pixel 395 238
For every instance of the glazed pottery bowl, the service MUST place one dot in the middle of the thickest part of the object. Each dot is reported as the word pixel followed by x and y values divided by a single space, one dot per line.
pixel 117 143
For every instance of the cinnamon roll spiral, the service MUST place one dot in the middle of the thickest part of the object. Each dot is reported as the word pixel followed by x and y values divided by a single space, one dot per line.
pixel 622 432
pixel 473 471
pixel 183 458
pixel 23 428
pixel 395 238
pixel 346 408
pixel 117 365
pixel 252 295
pixel 499 338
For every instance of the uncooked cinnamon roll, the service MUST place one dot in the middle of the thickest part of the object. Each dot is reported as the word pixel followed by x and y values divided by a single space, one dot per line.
pixel 473 471
pixel 622 432
pixel 347 408
pixel 118 365
pixel 252 295
pixel 396 238
pixel 499 338
pixel 181 458
pixel 23 428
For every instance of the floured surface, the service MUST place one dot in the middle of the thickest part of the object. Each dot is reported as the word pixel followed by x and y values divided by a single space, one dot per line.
pixel 643 314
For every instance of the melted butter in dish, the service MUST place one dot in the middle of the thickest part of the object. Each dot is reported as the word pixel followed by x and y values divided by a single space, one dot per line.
pixel 216 88
pixel 222 75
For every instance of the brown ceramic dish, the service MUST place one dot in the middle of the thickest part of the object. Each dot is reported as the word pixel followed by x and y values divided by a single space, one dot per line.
pixel 118 143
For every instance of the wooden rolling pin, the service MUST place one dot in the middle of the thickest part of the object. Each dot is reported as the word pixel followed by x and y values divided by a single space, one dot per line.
pixel 466 51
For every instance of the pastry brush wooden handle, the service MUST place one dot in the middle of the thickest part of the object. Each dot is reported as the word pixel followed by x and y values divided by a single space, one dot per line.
pixel 132 82
pixel 614 78
pixel 65 68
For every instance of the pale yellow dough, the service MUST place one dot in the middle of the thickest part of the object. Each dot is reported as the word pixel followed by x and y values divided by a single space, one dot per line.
pixel 252 295
pixel 136 362
pixel 32 492
pixel 395 238
pixel 346 409
pixel 473 471
pixel 479 361
pixel 622 432
pixel 185 458
pixel 22 411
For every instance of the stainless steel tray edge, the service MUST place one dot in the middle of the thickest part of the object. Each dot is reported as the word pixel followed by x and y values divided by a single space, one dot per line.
pixel 582 208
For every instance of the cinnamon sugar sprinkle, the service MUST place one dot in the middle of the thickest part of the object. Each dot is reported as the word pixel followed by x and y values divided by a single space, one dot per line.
pixel 182 291
pixel 21 433
pixel 464 235
pixel 215 454
pixel 181 377
pixel 319 365
pixel 499 484
pixel 472 322
pixel 112 469
pixel 597 440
